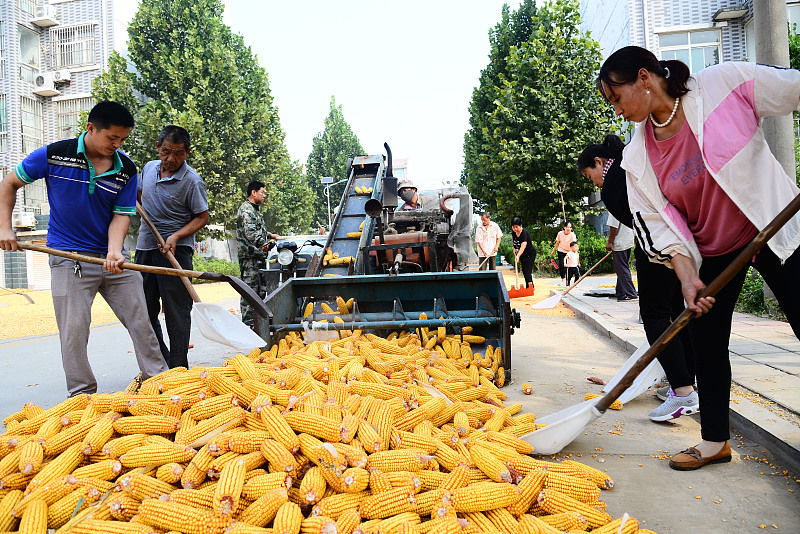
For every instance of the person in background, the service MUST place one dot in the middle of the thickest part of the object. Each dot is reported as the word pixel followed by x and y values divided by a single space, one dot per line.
pixel 572 263
pixel 562 246
pixel 253 239
pixel 620 242
pixel 91 186
pixel 524 251
pixel 702 182
pixel 660 297
pixel 407 191
pixel 487 238
pixel 174 197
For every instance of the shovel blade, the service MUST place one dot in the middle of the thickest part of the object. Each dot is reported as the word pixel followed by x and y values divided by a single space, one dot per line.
pixel 219 325
pixel 549 302
pixel 648 377
pixel 562 427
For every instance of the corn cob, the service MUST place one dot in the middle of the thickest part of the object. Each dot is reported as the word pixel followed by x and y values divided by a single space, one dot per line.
pixel 7 505
pixel 396 460
pixel 179 517
pixel 257 486
pixel 229 488
pixel 103 470
pixel 600 478
pixel 123 507
pixel 287 519
pixel 622 525
pixel 264 509
pixel 482 496
pixel 530 524
pixel 554 502
pixel 387 503
pixel 157 455
pixel 97 526
pixel 616 405
pixel 142 486
pixel 31 456
pixel 318 525
pixel 279 429
pixel 278 456
pixel 582 490
pixel 333 505
pixel 565 521
pixel 316 425
pixel 146 424
pixel 489 464
pixel 34 519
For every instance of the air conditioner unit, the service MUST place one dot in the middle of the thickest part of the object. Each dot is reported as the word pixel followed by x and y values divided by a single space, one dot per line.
pixel 44 17
pixel 44 85
pixel 24 220
pixel 62 75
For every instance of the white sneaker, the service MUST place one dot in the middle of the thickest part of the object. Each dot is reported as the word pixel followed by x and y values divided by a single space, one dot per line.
pixel 663 392
pixel 676 406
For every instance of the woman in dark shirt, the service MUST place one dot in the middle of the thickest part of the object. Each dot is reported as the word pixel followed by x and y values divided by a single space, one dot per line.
pixel 660 297
pixel 523 250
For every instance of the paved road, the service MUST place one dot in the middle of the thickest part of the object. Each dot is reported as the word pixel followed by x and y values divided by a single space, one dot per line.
pixel 555 355
pixel 31 367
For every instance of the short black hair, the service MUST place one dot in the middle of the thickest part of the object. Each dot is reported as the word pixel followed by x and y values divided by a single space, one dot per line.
pixel 573 243
pixel 516 221
pixel 255 185
pixel 175 134
pixel 107 113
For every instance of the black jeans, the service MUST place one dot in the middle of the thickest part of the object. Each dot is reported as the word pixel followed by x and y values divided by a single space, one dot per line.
pixel 660 302
pixel 711 332
pixel 573 273
pixel 526 267
pixel 166 291
pixel 562 271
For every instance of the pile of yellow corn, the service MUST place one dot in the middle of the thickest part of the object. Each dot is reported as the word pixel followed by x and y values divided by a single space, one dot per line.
pixel 362 434
pixel 363 190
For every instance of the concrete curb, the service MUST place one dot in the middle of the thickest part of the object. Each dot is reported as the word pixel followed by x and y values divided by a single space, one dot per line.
pixel 755 422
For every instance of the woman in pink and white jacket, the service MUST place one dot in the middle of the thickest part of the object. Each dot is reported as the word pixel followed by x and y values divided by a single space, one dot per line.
pixel 701 183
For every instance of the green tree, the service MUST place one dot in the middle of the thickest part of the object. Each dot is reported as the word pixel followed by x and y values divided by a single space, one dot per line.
pixel 535 108
pixel 330 150
pixel 186 67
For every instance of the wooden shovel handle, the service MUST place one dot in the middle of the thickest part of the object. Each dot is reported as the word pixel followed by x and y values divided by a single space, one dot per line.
pixel 739 262
pixel 587 273
pixel 217 277
pixel 170 256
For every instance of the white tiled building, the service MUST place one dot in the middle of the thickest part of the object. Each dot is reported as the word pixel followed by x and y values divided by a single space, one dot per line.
pixel 49 53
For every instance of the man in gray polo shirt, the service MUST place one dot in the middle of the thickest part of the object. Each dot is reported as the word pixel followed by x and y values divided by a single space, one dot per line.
pixel 174 196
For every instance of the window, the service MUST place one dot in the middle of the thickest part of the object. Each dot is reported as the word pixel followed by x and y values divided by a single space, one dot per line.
pixel 793 14
pixel 69 113
pixel 2 49
pixel 28 6
pixel 698 50
pixel 32 130
pixel 73 46
pixel 3 126
pixel 28 54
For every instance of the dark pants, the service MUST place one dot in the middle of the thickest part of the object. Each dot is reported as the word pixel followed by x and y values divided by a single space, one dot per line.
pixel 169 293
pixel 562 271
pixel 526 267
pixel 711 332
pixel 625 288
pixel 660 302
pixel 489 265
pixel 573 273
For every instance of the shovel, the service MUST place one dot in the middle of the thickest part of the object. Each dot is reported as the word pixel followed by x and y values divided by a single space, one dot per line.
pixel 567 424
pixel 214 321
pixel 550 302
pixel 223 323
pixel 516 291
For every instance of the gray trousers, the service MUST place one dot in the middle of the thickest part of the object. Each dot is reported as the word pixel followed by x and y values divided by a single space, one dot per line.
pixel 72 300
pixel 625 287
pixel 489 265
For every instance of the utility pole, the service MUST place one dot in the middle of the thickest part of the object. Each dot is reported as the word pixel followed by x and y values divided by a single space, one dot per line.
pixel 772 48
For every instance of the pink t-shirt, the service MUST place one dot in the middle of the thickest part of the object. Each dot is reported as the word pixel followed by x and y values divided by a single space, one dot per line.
pixel 717 225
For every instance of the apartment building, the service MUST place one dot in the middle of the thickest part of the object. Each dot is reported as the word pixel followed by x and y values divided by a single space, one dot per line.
pixel 49 53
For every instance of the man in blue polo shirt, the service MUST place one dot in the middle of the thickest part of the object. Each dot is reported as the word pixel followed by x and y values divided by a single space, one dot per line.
pixel 174 196
pixel 91 187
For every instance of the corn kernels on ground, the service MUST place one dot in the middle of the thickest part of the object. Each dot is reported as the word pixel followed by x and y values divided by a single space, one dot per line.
pixel 359 434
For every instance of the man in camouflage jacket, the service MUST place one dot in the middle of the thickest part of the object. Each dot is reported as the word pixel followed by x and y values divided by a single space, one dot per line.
pixel 252 237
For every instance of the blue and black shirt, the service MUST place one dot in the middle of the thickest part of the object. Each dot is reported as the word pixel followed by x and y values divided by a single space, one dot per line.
pixel 82 203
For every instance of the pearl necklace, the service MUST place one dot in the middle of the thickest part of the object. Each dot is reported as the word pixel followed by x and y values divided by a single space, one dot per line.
pixel 671 116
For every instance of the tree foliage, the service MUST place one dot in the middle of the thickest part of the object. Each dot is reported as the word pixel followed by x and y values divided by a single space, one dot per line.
pixel 188 68
pixel 330 150
pixel 535 108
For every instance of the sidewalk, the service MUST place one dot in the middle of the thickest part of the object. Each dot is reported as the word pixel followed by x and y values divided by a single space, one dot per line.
pixel 765 364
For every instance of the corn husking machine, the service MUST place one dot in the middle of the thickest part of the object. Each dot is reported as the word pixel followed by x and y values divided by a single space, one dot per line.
pixel 392 267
